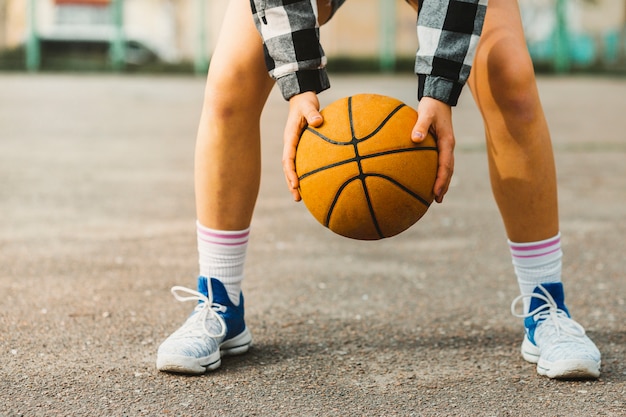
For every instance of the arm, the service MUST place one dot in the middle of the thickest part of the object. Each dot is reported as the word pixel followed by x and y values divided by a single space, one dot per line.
pixel 447 46
pixel 296 60
pixel 448 42
pixel 293 54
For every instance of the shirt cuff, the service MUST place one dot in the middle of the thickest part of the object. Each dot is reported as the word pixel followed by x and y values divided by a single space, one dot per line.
pixel 305 80
pixel 439 88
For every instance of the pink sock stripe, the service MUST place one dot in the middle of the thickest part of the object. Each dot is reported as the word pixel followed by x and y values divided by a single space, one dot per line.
pixel 526 248
pixel 222 238
pixel 537 255
pixel 222 243
pixel 219 235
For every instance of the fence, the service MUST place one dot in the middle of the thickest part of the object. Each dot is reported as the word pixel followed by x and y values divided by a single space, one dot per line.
pixel 123 34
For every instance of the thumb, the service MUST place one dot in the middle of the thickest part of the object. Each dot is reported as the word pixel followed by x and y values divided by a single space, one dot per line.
pixel 314 118
pixel 420 130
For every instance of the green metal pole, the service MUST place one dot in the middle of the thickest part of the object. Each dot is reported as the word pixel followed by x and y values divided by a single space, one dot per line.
pixel 387 54
pixel 117 51
pixel 201 63
pixel 561 51
pixel 33 51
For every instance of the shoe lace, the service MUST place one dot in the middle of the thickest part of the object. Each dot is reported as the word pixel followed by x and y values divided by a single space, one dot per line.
pixel 205 309
pixel 549 313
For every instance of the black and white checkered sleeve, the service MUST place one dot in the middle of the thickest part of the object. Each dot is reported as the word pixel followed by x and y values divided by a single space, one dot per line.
pixel 448 33
pixel 293 54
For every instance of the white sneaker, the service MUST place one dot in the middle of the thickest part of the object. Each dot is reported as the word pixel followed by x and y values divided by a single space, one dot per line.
pixel 555 342
pixel 215 328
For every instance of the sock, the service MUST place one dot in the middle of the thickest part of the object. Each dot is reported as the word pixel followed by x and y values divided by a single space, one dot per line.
pixel 221 256
pixel 536 263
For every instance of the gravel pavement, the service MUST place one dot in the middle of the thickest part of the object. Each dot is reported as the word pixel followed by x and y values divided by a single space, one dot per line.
pixel 97 223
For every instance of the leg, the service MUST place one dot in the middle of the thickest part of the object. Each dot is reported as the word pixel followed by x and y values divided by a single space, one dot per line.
pixel 521 162
pixel 523 179
pixel 228 154
pixel 227 176
pixel 228 147
pixel 228 161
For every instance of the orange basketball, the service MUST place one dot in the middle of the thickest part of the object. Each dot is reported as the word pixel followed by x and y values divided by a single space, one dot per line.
pixel 360 174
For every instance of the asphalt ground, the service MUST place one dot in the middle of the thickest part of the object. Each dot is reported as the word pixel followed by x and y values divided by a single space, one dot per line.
pixel 97 223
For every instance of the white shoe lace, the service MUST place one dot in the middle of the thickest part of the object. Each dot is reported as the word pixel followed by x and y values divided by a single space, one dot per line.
pixel 550 313
pixel 205 308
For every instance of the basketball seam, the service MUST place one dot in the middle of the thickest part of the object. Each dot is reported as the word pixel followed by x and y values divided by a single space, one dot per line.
pixel 335 199
pixel 357 177
pixel 402 187
pixel 374 155
pixel 357 156
pixel 364 138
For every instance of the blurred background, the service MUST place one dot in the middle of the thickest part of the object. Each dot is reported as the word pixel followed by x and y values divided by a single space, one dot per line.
pixel 366 35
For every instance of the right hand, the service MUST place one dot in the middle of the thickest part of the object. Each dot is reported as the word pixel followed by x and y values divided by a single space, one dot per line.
pixel 436 117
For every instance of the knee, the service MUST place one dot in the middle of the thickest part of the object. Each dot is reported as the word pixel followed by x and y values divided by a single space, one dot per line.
pixel 513 86
pixel 220 106
pixel 230 101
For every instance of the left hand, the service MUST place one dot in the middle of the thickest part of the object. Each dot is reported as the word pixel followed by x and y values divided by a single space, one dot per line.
pixel 303 112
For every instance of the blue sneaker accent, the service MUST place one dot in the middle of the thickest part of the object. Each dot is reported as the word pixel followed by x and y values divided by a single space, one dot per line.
pixel 234 315
pixel 555 289
pixel 553 340
pixel 214 329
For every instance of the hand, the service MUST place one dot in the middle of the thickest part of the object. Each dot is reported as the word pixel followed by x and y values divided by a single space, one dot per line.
pixel 303 111
pixel 436 116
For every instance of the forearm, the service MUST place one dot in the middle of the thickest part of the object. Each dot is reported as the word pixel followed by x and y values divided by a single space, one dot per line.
pixel 293 54
pixel 448 32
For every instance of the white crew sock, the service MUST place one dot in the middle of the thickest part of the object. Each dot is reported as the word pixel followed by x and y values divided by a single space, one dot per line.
pixel 222 255
pixel 536 263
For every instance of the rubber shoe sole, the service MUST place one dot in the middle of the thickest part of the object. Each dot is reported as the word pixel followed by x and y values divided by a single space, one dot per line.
pixel 195 366
pixel 564 369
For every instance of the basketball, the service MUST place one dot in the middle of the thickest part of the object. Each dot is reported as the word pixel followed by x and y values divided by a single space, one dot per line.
pixel 360 174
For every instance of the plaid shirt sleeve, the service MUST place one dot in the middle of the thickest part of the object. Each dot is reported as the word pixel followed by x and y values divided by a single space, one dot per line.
pixel 293 54
pixel 448 33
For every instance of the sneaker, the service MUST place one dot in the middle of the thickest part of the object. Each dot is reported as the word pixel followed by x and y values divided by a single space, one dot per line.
pixel 215 328
pixel 555 342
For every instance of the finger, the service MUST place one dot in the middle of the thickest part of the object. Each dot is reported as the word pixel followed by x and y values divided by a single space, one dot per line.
pixel 421 128
pixel 292 179
pixel 303 111
pixel 293 129
pixel 314 118
pixel 289 161
pixel 445 169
